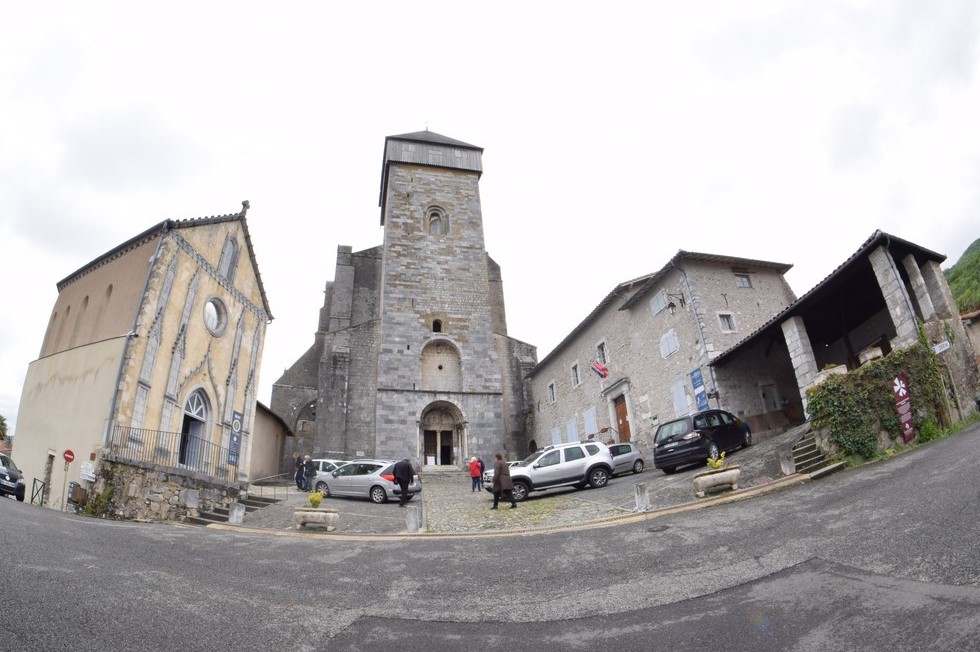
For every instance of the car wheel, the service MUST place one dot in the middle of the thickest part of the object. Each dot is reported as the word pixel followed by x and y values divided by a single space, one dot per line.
pixel 323 488
pixel 599 478
pixel 521 490
pixel 669 470
pixel 378 495
pixel 747 438
pixel 712 451
pixel 638 466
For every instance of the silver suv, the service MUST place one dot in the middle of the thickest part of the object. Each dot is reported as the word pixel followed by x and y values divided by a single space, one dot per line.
pixel 576 465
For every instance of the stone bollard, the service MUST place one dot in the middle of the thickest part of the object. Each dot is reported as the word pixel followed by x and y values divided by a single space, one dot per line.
pixel 412 519
pixel 320 517
pixel 786 463
pixel 642 497
pixel 236 513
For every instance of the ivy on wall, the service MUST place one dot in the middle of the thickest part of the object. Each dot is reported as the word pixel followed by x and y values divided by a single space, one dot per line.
pixel 856 407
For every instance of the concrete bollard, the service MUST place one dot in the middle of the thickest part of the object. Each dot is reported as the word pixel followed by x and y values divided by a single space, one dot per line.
pixel 412 519
pixel 642 497
pixel 786 463
pixel 236 513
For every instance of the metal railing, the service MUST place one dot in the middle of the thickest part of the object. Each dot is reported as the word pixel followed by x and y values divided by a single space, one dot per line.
pixel 38 492
pixel 180 451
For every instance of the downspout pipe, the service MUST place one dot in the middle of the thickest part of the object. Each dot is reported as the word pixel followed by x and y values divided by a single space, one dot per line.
pixel 704 344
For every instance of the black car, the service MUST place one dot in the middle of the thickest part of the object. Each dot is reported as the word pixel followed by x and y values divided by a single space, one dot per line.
pixel 11 479
pixel 695 438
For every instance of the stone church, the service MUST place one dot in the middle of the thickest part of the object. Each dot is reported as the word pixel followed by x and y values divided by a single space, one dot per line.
pixel 411 356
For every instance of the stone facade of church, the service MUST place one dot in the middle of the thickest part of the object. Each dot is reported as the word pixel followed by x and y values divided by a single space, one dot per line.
pixel 411 356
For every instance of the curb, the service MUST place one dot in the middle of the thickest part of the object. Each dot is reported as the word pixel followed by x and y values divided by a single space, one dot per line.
pixel 723 499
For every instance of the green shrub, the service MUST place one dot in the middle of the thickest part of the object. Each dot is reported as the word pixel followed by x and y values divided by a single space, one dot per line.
pixel 856 407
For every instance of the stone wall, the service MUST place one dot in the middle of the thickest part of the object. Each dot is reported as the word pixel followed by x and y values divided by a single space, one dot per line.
pixel 153 494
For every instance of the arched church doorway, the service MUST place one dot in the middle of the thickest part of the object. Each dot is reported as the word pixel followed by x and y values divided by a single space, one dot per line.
pixel 443 434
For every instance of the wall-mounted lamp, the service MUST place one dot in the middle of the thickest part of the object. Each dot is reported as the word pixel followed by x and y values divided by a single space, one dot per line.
pixel 671 306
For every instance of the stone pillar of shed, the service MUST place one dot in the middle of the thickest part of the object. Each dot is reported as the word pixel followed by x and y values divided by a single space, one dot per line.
pixel 896 298
pixel 800 354
pixel 919 288
pixel 939 292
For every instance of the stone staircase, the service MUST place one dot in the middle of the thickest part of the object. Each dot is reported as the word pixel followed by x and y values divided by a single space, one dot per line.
pixel 220 514
pixel 808 458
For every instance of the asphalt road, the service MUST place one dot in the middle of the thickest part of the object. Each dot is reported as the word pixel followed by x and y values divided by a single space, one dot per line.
pixel 885 557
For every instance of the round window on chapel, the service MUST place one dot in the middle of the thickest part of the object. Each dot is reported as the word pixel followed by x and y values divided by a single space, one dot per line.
pixel 215 316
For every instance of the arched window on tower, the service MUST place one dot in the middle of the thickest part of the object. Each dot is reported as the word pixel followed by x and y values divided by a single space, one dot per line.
pixel 437 326
pixel 436 221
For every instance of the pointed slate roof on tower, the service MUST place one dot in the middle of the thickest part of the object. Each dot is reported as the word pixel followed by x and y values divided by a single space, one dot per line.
pixel 429 149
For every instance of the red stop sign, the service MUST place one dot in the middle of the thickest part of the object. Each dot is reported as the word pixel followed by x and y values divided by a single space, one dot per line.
pixel 69 455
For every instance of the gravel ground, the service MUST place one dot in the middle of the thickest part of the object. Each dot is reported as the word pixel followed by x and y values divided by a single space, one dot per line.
pixel 447 505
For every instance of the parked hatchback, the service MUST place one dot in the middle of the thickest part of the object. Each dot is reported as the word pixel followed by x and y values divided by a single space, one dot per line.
pixel 695 438
pixel 11 478
pixel 374 479
pixel 627 457
pixel 578 465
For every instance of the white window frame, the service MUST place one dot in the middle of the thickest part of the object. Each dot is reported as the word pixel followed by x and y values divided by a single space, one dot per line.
pixel 669 344
pixel 730 316
pixel 576 374
pixel 571 431
pixel 743 280
pixel 602 353
pixel 658 302
pixel 552 394
pixel 556 436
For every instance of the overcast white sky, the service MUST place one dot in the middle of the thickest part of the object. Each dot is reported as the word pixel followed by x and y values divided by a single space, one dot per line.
pixel 614 135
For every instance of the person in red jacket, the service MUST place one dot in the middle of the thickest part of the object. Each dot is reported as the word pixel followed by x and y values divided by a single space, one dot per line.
pixel 475 474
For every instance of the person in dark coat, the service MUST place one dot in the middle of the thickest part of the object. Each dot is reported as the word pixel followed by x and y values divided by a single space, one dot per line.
pixel 403 477
pixel 502 484
pixel 300 475
pixel 309 472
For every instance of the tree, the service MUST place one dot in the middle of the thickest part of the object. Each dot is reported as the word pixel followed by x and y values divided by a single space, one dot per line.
pixel 964 279
pixel 3 427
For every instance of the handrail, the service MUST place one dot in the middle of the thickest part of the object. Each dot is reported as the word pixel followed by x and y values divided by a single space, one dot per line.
pixel 175 450
pixel 269 485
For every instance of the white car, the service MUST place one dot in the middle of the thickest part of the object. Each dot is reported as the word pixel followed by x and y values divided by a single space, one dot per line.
pixel 627 458
pixel 372 479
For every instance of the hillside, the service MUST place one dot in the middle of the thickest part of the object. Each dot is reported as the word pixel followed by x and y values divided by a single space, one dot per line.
pixel 964 279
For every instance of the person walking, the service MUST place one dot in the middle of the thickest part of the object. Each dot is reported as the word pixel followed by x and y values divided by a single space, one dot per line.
pixel 502 484
pixel 309 472
pixel 403 477
pixel 300 475
pixel 475 474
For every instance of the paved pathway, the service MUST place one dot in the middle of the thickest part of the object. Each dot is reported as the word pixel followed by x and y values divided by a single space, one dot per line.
pixel 450 506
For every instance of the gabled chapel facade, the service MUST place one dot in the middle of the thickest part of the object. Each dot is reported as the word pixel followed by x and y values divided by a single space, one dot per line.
pixel 148 374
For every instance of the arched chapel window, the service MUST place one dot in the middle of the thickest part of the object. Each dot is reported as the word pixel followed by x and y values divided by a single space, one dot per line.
pixel 229 260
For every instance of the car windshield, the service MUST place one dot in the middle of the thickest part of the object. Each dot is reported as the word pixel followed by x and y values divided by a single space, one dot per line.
pixel 529 460
pixel 672 429
pixel 9 463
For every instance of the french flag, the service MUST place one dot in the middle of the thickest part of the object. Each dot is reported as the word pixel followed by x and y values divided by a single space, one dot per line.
pixel 601 370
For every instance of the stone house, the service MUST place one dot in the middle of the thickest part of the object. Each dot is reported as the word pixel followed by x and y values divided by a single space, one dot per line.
pixel 148 374
pixel 641 356
pixel 411 356
pixel 872 304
